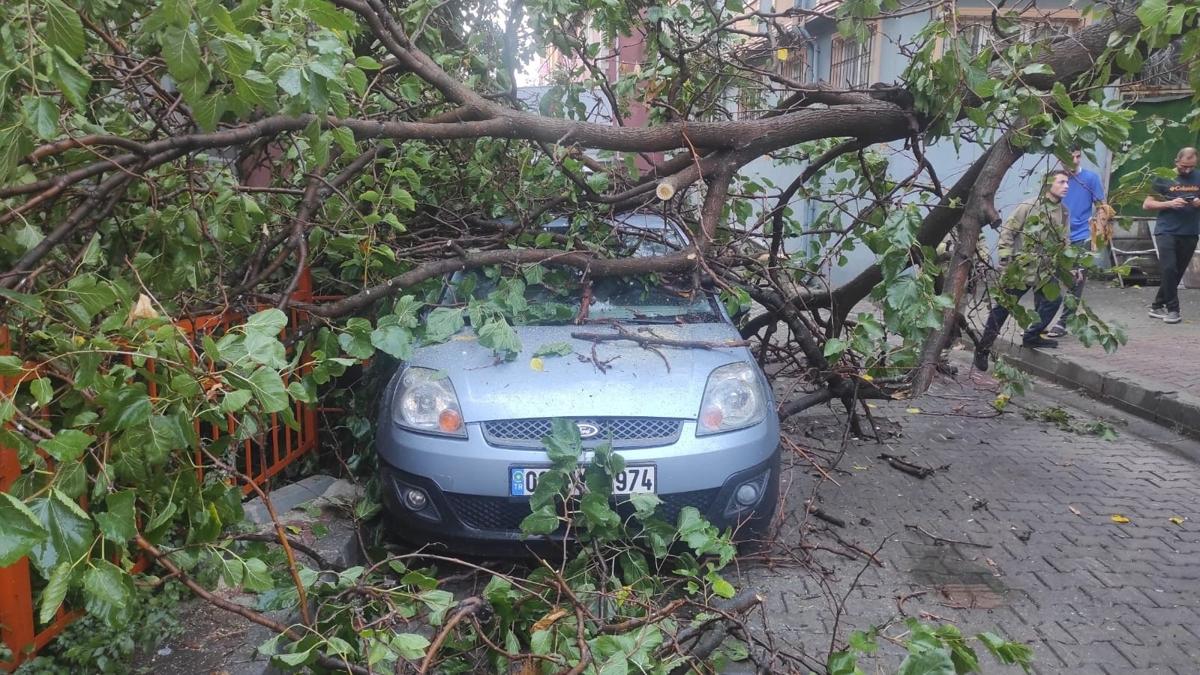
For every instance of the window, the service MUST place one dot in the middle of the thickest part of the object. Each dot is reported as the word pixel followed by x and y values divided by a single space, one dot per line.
pixel 766 7
pixel 850 62
pixel 794 64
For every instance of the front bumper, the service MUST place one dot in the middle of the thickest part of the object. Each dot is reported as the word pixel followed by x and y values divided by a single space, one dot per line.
pixel 477 523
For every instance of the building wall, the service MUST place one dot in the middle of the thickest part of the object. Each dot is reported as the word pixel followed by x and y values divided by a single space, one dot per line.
pixel 948 161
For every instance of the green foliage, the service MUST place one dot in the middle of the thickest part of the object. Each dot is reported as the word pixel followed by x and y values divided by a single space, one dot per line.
pixel 932 650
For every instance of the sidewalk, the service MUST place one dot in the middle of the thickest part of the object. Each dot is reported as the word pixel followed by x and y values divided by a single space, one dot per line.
pixel 1155 376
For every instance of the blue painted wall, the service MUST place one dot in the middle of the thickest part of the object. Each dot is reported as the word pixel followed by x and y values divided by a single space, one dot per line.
pixel 948 161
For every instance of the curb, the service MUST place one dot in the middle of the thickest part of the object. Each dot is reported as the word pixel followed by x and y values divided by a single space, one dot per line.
pixel 1145 398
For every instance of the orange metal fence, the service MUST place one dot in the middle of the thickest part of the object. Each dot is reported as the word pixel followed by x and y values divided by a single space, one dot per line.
pixel 280 446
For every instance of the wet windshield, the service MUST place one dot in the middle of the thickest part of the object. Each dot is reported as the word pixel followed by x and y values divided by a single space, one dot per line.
pixel 556 295
pixel 559 295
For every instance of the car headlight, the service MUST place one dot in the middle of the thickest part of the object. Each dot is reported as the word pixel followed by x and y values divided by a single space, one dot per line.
pixel 425 401
pixel 733 399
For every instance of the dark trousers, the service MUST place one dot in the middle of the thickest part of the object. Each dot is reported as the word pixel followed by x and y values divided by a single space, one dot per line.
pixel 1077 289
pixel 1045 308
pixel 1174 253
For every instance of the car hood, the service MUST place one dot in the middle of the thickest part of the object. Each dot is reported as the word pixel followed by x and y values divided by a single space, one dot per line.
pixel 632 381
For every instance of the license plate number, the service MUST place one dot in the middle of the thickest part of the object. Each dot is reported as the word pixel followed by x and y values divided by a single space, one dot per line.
pixel 522 481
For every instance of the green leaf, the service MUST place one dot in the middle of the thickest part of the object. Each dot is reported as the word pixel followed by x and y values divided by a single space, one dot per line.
pixel 69 532
pixel 403 199
pixel 500 337
pixel 255 89
pixel 1152 12
pixel 257 578
pixel 410 645
pixel 108 593
pixel 393 340
pixel 20 529
pixel 835 347
pixel 555 349
pixel 181 52
pixel 117 523
pixel 326 15
pixel 236 400
pixel 42 390
pixel 185 385
pixel 167 434
pixel 367 63
pixel 356 341
pixel 721 587
pixel 542 521
pixel 267 322
pixel 442 323
pixel 1037 69
pixel 931 662
pixel 67 445
pixel 64 29
pixel 55 592
pixel 41 116
pixel 269 389
pixel 124 408
pixel 597 512
pixel 290 82
pixel 265 349
pixel 296 658
pixel 11 365
pixel 406 311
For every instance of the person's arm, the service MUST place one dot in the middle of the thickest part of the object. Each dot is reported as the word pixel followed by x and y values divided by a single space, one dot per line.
pixel 1010 230
pixel 1097 189
pixel 1160 188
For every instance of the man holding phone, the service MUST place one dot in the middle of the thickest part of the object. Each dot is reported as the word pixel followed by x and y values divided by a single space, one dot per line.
pixel 1177 201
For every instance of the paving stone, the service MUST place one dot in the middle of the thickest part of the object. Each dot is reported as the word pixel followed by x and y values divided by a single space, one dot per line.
pixel 1051 567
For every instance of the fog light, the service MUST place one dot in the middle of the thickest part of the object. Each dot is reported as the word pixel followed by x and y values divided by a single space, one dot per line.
pixel 415 499
pixel 747 494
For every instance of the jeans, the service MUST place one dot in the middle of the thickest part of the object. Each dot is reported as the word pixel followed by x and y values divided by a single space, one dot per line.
pixel 1045 308
pixel 1080 279
pixel 1174 253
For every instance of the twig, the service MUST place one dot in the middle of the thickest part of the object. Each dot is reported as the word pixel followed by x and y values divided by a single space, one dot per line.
pixel 244 612
pixel 935 537
pixel 800 451
pixel 900 464
pixel 467 608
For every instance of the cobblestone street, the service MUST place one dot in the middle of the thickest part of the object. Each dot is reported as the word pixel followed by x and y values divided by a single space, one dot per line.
pixel 1043 563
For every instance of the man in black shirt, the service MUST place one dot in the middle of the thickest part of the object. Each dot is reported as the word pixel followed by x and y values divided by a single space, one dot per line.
pixel 1178 204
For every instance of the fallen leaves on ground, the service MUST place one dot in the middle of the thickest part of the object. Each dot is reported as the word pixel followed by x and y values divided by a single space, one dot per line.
pixel 1118 518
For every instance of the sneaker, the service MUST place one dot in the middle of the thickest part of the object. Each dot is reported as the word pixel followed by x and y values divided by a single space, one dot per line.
pixel 1172 317
pixel 981 359
pixel 1056 332
pixel 1158 312
pixel 1040 343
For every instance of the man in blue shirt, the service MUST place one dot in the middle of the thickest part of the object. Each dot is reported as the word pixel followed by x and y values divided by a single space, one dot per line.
pixel 1177 201
pixel 1085 191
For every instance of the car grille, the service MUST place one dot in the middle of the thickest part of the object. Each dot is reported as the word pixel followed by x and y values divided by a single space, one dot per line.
pixel 505 513
pixel 625 432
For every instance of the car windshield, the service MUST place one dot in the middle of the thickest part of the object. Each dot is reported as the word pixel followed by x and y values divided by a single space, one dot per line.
pixel 542 295
pixel 556 297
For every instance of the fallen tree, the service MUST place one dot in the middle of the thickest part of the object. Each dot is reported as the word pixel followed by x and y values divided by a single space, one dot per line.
pixel 166 161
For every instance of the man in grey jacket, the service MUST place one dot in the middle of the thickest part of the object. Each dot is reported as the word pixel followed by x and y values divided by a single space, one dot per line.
pixel 1032 238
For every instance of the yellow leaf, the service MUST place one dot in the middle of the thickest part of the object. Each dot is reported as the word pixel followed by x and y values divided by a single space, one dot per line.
pixel 142 309
pixel 1177 520
pixel 871 405
pixel 859 468
pixel 914 410
pixel 548 620
pixel 781 54
pixel 537 364
pixel 1118 518
pixel 868 378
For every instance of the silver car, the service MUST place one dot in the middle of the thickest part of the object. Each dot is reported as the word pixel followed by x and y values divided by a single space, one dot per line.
pixel 460 434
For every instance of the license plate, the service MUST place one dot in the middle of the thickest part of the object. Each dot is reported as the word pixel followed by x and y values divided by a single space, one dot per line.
pixel 522 481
